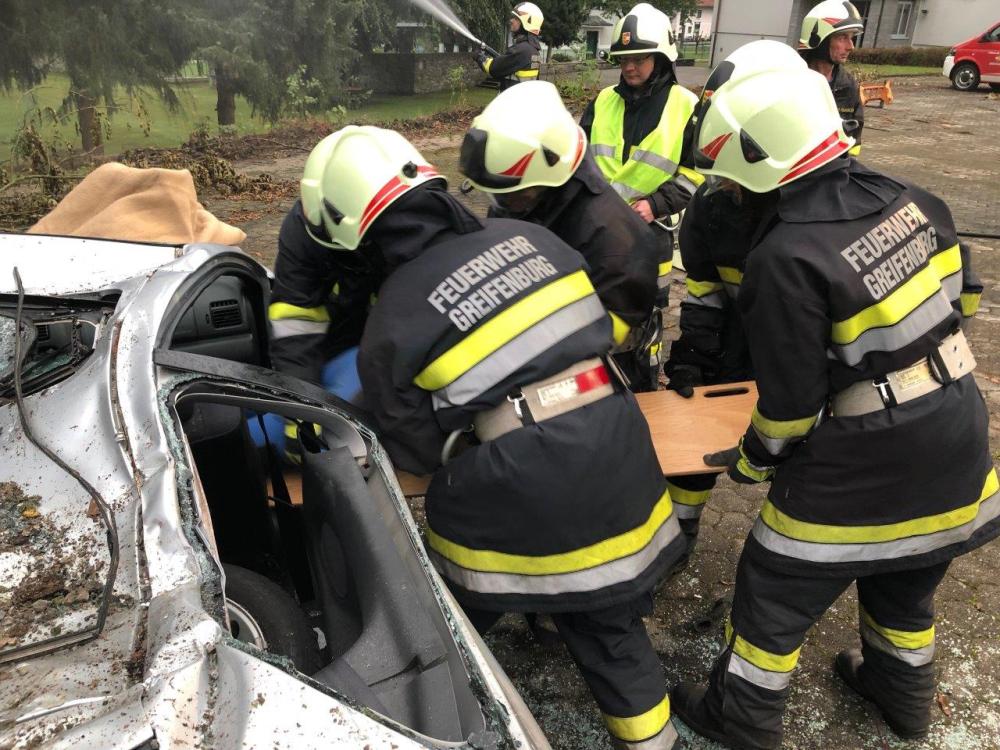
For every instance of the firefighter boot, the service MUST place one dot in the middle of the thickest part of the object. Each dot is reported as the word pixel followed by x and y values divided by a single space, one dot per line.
pixel 849 667
pixel 697 707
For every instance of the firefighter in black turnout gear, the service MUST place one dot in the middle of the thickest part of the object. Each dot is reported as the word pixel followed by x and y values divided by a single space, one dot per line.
pixel 869 424
pixel 538 169
pixel 639 130
pixel 825 43
pixel 522 60
pixel 715 238
pixel 481 362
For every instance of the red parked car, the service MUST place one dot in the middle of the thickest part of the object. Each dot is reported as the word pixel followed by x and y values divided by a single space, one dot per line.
pixel 975 60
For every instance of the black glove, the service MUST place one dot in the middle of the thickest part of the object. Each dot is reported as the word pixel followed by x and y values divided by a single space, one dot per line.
pixel 737 467
pixel 480 58
pixel 683 379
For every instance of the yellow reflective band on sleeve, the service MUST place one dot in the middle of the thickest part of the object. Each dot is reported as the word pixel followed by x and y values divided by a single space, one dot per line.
pixel 970 303
pixel 902 301
pixel 855 150
pixel 664 268
pixel 730 275
pixel 702 288
pixel 687 497
pixel 619 328
pixel 486 65
pixel 759 657
pixel 525 75
pixel 946 262
pixel 827 534
pixel 696 177
pixel 285 311
pixel 908 639
pixel 641 727
pixel 503 328
pixel 608 550
pixel 781 428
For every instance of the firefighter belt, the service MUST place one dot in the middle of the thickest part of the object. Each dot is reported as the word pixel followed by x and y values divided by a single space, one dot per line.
pixel 950 361
pixel 583 383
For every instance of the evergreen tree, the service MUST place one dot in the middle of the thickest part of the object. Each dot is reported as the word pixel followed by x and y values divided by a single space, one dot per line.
pixel 101 45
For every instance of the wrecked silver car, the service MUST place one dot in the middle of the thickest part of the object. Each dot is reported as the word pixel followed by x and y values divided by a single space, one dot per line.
pixel 160 583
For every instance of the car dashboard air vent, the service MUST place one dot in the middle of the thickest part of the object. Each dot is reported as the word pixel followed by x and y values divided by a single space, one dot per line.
pixel 225 313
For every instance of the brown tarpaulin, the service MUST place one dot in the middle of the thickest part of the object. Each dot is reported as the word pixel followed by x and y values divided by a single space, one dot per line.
pixel 139 205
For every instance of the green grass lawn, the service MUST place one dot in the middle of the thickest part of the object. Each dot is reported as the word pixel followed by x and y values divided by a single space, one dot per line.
pixel 166 128
pixel 198 107
pixel 888 71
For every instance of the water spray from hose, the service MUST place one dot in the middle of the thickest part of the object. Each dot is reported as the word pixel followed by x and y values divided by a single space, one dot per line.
pixel 443 12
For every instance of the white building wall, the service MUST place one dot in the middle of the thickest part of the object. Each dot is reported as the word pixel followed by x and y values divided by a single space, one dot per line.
pixel 738 22
pixel 944 23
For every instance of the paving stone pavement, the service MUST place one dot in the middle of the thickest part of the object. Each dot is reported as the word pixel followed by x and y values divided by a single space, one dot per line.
pixel 948 142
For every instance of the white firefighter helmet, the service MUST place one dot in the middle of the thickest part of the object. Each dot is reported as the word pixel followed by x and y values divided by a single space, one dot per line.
pixel 827 18
pixel 644 29
pixel 765 119
pixel 530 16
pixel 524 138
pixel 352 176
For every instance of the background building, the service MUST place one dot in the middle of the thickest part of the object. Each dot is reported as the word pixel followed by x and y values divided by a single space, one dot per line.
pixel 888 23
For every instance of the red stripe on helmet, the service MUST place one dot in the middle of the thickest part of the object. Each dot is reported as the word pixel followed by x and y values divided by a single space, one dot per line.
pixel 829 148
pixel 835 21
pixel 518 168
pixel 581 145
pixel 713 148
pixel 389 192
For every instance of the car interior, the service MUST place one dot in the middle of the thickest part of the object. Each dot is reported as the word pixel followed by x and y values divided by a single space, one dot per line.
pixel 339 563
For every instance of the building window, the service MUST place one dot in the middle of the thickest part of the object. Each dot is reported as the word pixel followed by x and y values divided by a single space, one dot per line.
pixel 903 12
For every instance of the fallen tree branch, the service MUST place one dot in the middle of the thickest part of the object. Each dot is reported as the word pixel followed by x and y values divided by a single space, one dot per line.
pixel 27 177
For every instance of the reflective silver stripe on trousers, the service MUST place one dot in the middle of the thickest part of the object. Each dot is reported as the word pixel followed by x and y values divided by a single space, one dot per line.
pixel 519 351
pixel 714 299
pixel 688 512
pixel 663 741
pixel 915 657
pixel 926 315
pixel 760 677
pixel 653 159
pixel 600 149
pixel 283 328
pixel 617 571
pixel 854 552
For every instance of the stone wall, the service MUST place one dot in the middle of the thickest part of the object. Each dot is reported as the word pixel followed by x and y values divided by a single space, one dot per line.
pixel 407 73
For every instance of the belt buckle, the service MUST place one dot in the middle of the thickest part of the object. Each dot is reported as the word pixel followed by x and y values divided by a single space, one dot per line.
pixel 516 399
pixel 884 391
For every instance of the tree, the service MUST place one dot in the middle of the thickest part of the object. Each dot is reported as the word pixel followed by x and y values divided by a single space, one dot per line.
pixel 563 19
pixel 102 45
pixel 255 46
pixel 686 8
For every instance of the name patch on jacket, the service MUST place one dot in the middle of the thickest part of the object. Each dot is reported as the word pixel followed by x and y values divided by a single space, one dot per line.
pixel 890 252
pixel 474 289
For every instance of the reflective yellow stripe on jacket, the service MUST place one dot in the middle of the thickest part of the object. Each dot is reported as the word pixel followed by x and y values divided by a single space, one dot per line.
pixel 905 314
pixel 614 560
pixel 511 339
pixel 655 159
pixel 825 543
